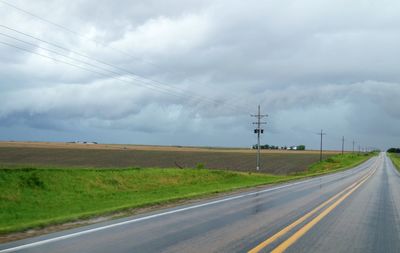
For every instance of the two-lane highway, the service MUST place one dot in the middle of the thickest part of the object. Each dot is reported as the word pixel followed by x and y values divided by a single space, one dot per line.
pixel 368 221
pixel 352 211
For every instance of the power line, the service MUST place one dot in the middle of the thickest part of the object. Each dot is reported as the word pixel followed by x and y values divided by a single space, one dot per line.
pixel 140 81
pixel 77 60
pixel 80 35
pixel 133 76
pixel 52 58
pixel 64 62
pixel 71 64
pixel 62 27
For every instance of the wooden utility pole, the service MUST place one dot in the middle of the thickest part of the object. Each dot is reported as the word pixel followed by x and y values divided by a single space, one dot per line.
pixel 259 131
pixel 342 145
pixel 320 149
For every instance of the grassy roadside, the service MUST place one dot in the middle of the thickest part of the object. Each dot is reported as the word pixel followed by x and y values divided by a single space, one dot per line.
pixel 36 197
pixel 395 159
pixel 337 163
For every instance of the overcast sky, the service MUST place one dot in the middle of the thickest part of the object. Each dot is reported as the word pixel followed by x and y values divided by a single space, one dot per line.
pixel 179 72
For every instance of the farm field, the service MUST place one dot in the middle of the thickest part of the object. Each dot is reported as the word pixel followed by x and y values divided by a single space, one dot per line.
pixel 70 145
pixel 123 156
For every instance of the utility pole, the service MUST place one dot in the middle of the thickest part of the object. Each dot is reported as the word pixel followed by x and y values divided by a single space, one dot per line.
pixel 353 145
pixel 342 145
pixel 320 150
pixel 259 131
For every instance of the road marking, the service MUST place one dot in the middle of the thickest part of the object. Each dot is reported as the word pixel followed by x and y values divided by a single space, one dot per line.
pixel 76 234
pixel 282 232
pixel 291 240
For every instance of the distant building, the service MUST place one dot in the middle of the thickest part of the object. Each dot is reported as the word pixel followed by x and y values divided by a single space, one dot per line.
pixel 83 142
pixel 266 146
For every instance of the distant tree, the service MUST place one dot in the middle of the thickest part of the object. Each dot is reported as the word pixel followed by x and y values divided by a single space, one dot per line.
pixel 301 147
pixel 393 150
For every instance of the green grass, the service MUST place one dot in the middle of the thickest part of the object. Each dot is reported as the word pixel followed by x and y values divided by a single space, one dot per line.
pixel 338 162
pixel 395 159
pixel 36 197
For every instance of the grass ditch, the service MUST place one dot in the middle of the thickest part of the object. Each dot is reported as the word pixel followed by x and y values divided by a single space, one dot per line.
pixel 395 159
pixel 34 197
pixel 337 163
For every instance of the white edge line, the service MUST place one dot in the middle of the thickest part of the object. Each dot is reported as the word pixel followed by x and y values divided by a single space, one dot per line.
pixel 140 219
pixel 59 238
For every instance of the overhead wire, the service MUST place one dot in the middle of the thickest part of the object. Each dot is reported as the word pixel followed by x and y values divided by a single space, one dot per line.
pixel 85 37
pixel 148 82
pixel 72 58
pixel 134 76
pixel 116 77
pixel 63 27
pixel 77 66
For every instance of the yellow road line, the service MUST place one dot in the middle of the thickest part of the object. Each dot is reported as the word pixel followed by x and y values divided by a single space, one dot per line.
pixel 291 240
pixel 271 239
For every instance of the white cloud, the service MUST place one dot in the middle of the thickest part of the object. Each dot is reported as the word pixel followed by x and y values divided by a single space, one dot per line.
pixel 163 35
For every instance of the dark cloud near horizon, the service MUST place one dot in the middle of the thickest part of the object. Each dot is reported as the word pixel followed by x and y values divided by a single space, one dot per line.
pixel 310 64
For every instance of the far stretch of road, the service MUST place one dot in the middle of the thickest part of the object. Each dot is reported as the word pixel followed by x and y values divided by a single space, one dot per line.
pixel 353 211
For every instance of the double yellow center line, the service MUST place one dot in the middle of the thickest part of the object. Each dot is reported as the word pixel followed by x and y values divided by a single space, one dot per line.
pixel 303 230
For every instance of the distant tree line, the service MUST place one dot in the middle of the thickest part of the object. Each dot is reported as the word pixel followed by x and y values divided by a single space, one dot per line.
pixel 301 147
pixel 266 146
pixel 393 150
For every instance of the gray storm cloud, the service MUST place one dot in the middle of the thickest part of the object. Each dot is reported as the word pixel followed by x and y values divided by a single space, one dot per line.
pixel 197 69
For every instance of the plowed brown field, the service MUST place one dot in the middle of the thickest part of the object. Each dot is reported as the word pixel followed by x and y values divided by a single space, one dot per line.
pixel 122 156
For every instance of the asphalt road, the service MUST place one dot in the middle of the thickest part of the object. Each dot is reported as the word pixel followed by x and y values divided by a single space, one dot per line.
pixel 352 211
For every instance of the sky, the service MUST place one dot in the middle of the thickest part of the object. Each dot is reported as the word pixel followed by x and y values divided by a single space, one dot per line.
pixel 181 72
